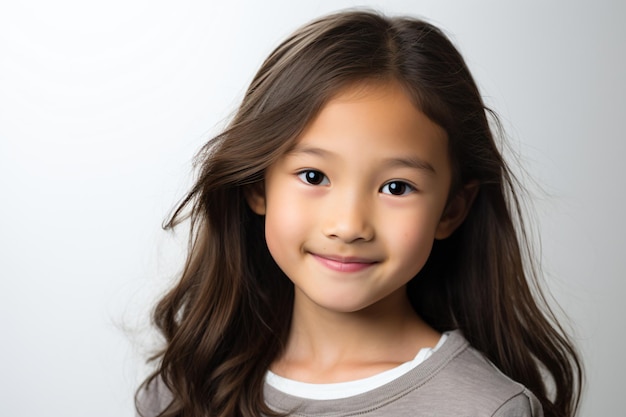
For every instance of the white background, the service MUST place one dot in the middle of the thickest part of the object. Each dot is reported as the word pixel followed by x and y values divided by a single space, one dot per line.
pixel 103 104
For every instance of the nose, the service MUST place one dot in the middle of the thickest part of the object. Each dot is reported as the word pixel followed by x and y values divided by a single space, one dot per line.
pixel 348 218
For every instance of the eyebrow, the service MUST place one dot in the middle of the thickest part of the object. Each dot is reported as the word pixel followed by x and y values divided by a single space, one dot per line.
pixel 410 162
pixel 394 162
pixel 309 150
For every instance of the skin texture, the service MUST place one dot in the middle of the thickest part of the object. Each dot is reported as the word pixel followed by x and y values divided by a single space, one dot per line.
pixel 351 214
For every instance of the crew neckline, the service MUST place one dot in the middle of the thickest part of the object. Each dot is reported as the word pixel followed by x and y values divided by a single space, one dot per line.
pixel 364 403
pixel 340 390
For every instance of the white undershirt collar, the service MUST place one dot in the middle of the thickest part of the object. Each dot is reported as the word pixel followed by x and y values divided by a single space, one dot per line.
pixel 350 388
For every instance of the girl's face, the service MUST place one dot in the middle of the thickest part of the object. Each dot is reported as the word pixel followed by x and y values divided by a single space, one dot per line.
pixel 352 211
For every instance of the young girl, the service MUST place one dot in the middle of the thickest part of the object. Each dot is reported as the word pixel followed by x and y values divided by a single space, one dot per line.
pixel 355 248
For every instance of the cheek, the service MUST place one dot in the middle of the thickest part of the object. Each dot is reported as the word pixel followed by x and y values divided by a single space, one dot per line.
pixel 413 243
pixel 418 243
pixel 285 227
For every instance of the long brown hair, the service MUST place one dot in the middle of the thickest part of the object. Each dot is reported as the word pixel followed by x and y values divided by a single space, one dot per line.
pixel 228 316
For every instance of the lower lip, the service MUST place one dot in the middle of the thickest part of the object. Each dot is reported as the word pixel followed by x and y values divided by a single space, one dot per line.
pixel 343 266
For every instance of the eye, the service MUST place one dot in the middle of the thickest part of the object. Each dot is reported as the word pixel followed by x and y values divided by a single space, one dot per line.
pixel 313 177
pixel 397 188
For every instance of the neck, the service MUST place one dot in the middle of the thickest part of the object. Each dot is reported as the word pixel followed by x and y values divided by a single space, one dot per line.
pixel 329 346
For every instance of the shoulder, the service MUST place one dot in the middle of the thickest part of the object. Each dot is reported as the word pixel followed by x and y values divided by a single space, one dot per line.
pixel 472 385
pixel 524 404
pixel 153 398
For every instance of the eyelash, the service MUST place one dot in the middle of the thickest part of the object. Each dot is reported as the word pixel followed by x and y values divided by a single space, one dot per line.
pixel 305 176
pixel 405 188
pixel 315 177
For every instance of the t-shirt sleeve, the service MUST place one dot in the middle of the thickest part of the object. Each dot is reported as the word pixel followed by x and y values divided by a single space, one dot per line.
pixel 524 404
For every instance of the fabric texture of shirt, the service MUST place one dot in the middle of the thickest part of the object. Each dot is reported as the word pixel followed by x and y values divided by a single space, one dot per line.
pixel 456 381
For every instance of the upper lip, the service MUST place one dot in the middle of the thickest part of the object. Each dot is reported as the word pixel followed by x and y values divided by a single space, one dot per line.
pixel 346 259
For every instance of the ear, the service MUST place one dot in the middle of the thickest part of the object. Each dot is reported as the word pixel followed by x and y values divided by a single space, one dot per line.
pixel 255 196
pixel 456 210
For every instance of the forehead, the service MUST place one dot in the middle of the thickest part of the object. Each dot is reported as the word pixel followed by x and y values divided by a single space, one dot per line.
pixel 380 109
pixel 372 123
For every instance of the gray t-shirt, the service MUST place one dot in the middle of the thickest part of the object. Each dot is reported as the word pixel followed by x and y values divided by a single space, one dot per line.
pixel 456 381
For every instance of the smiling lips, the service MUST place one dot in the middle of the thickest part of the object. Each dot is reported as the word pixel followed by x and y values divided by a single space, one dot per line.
pixel 344 264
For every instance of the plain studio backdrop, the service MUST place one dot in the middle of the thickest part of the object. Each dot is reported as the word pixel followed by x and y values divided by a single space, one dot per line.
pixel 104 104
